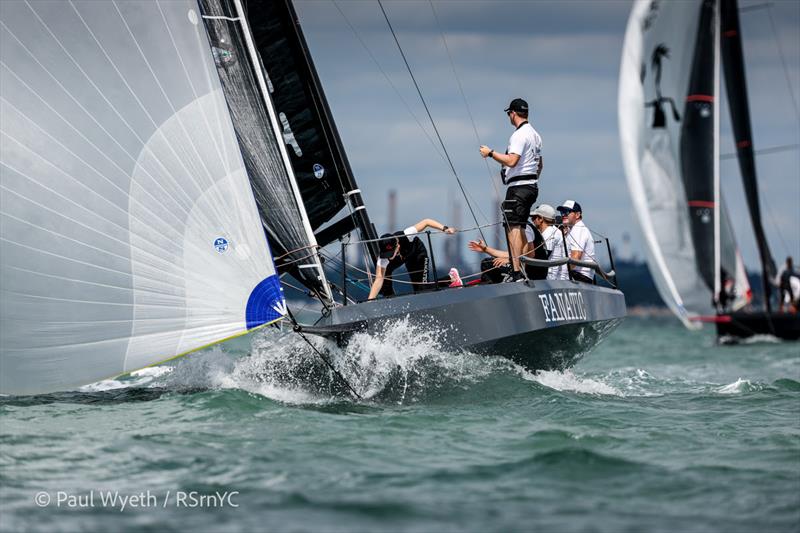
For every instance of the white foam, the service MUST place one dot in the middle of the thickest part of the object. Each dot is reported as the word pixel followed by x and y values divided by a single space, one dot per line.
pixel 137 378
pixel 566 380
pixel 737 387
pixel 395 365
pixel 153 371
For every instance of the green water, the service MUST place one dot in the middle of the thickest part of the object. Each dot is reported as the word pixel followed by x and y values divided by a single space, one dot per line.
pixel 657 430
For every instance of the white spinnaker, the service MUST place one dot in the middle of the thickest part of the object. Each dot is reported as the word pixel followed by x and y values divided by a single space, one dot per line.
pixel 650 155
pixel 128 230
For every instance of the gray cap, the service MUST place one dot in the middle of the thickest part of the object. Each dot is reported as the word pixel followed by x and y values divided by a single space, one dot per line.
pixel 545 211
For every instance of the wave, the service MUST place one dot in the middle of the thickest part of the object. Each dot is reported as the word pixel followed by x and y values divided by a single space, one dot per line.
pixel 567 381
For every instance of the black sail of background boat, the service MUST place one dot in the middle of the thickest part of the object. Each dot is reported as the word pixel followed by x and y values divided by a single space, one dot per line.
pixel 672 164
pixel 173 168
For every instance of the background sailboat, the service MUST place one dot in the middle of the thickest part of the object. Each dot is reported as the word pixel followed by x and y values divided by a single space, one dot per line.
pixel 671 62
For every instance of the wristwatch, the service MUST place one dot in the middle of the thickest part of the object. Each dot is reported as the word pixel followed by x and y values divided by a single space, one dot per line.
pixel 491 153
pixel 445 228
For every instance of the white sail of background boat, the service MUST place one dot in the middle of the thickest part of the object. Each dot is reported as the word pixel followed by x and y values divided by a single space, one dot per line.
pixel 669 133
pixel 128 228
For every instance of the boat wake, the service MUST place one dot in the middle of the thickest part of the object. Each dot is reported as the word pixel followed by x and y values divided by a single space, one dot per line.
pixel 403 363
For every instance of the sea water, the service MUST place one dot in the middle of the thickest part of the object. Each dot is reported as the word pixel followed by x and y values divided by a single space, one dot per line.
pixel 658 429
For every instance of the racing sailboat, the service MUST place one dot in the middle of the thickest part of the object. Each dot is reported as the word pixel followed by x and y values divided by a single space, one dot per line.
pixel 669 131
pixel 167 166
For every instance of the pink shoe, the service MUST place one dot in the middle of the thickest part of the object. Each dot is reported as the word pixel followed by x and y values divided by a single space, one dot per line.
pixel 455 279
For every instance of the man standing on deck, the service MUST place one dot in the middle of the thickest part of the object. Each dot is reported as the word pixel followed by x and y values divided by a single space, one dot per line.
pixel 786 294
pixel 580 242
pixel 397 249
pixel 522 165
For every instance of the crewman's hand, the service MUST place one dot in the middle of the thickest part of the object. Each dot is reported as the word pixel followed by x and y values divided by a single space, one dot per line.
pixel 450 230
pixel 500 262
pixel 477 246
pixel 484 150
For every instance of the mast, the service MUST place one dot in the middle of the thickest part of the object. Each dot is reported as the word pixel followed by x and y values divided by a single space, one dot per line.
pixel 718 281
pixel 736 85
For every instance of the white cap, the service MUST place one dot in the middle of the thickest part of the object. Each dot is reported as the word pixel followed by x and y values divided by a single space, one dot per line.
pixel 545 211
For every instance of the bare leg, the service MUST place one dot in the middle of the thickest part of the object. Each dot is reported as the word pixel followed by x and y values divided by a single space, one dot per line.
pixel 517 241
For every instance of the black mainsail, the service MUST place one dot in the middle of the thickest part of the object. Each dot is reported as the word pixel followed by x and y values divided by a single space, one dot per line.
pixel 245 85
pixel 317 155
pixel 736 85
pixel 697 147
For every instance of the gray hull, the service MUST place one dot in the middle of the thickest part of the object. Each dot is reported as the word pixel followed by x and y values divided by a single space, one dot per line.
pixel 543 326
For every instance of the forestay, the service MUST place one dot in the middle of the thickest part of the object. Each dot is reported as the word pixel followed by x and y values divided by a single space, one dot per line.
pixel 129 232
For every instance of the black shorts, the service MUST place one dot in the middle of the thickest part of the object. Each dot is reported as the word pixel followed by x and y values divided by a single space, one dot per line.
pixel 518 203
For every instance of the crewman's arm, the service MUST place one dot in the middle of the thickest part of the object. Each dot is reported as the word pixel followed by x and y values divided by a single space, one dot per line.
pixel 377 285
pixel 509 160
pixel 425 223
pixel 480 246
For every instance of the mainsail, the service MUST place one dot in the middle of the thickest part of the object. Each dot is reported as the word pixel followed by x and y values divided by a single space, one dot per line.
pixel 128 228
pixel 265 139
pixel 669 125
pixel 320 163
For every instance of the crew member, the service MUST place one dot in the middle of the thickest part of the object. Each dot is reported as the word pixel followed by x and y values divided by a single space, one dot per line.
pixel 535 247
pixel 543 218
pixel 784 282
pixel 580 242
pixel 522 165
pixel 398 249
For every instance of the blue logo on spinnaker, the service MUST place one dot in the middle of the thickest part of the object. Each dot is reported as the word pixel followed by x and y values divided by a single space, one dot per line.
pixel 319 171
pixel 221 244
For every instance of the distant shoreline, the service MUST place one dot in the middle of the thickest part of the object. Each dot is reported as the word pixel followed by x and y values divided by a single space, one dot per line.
pixel 649 311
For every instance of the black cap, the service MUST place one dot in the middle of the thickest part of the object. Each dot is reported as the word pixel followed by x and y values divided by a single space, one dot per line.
pixel 518 105
pixel 386 245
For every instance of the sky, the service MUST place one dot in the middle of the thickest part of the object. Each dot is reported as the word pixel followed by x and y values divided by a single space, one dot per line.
pixel 562 57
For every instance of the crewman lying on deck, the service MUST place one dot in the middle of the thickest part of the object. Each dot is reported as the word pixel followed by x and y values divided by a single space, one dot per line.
pixel 397 249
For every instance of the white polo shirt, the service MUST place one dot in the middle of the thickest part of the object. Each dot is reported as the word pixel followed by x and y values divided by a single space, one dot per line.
pixel 554 243
pixel 527 144
pixel 580 238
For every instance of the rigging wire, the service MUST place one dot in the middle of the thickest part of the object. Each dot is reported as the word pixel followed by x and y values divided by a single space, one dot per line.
pixel 492 181
pixel 388 79
pixel 791 95
pixel 783 61
pixel 299 330
pixel 430 117
pixel 461 90
pixel 402 99
pixel 768 7
pixel 764 151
